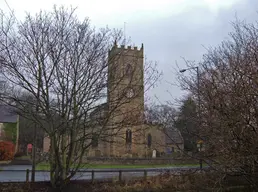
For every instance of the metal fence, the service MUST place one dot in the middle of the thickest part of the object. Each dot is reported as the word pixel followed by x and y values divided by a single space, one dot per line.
pixel 91 174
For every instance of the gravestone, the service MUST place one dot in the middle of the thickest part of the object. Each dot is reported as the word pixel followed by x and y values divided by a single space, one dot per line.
pixel 154 153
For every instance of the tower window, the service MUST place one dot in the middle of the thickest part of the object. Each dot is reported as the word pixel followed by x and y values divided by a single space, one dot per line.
pixel 129 70
pixel 128 137
pixel 149 140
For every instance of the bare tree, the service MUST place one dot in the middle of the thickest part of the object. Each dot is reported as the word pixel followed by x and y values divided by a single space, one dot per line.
pixel 27 126
pixel 162 114
pixel 62 64
pixel 164 119
pixel 228 91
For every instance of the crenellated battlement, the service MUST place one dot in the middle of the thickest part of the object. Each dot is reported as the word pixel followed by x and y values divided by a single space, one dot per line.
pixel 122 48
pixel 129 47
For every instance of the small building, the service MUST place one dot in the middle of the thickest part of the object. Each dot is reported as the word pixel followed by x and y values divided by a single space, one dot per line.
pixel 9 119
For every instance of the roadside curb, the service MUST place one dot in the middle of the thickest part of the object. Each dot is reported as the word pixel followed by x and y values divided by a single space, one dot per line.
pixel 20 162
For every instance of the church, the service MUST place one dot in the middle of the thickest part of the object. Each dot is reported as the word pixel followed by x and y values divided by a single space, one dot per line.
pixel 125 132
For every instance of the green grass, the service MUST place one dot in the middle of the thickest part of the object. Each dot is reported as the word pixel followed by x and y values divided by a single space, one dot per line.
pixel 23 158
pixel 45 166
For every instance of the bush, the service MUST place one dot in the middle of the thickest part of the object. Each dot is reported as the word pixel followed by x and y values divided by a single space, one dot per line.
pixel 7 149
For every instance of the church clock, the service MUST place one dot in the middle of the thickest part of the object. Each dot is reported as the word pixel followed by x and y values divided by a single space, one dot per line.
pixel 130 93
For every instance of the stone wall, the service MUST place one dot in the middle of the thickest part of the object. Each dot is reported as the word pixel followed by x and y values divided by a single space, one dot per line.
pixel 139 161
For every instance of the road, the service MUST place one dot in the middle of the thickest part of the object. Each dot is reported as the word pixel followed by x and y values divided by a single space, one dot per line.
pixel 17 173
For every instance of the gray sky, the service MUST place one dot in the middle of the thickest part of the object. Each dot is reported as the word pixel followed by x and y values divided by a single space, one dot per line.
pixel 169 29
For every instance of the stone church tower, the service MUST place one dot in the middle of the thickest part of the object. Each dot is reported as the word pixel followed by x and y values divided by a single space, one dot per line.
pixel 126 98
pixel 125 80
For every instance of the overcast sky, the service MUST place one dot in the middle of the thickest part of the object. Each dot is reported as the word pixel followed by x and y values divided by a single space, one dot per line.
pixel 169 29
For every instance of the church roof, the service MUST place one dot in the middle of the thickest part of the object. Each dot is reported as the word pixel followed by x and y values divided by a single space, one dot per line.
pixel 99 112
pixel 173 136
pixel 100 108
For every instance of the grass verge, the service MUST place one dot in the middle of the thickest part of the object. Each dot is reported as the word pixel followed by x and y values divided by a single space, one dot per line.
pixel 23 158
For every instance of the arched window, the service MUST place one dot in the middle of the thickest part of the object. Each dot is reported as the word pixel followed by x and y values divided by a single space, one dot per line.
pixel 94 140
pixel 128 138
pixel 149 140
pixel 112 73
pixel 128 70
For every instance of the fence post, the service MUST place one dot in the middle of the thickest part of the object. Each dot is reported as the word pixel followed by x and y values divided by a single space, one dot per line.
pixel 27 175
pixel 201 164
pixel 120 175
pixel 145 175
pixel 92 176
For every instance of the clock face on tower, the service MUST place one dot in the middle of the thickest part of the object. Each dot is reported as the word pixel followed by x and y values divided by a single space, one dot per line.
pixel 129 93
